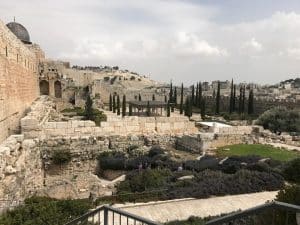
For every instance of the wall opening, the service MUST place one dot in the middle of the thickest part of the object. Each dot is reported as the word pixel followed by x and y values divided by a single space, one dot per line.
pixel 44 87
pixel 57 89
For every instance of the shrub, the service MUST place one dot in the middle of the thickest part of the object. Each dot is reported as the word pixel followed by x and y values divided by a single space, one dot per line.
pixel 291 170
pixel 155 150
pixel 61 157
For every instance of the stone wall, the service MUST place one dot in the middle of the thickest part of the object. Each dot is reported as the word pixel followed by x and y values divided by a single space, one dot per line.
pixel 21 172
pixel 18 80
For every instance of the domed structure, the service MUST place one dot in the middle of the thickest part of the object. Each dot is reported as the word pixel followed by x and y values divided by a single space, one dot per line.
pixel 20 31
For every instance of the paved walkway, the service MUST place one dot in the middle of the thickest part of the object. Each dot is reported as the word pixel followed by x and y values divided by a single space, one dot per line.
pixel 182 209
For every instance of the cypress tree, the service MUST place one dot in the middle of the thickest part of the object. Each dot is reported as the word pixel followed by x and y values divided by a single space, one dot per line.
pixel 114 104
pixel 140 97
pixel 234 98
pixel 148 109
pixel 203 108
pixel 110 103
pixel 175 96
pixel 181 99
pixel 200 94
pixel 171 93
pixel 231 98
pixel 193 95
pixel 165 98
pixel 124 106
pixel 251 102
pixel 197 95
pixel 118 105
pixel 190 108
pixel 168 109
pixel 241 100
pixel 153 97
pixel 130 110
pixel 218 99
pixel 88 110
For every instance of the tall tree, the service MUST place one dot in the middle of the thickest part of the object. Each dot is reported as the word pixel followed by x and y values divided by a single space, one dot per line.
pixel 153 97
pixel 203 108
pixel 197 95
pixel 130 110
pixel 231 98
pixel 193 95
pixel 168 109
pixel 234 98
pixel 188 107
pixel 148 109
pixel 88 110
pixel 110 103
pixel 124 106
pixel 140 97
pixel 218 99
pixel 200 94
pixel 171 93
pixel 114 104
pixel 118 105
pixel 175 96
pixel 251 102
pixel 166 99
pixel 241 100
pixel 181 99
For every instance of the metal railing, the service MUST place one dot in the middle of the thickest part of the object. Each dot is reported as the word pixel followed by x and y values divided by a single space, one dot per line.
pixel 106 215
pixel 231 218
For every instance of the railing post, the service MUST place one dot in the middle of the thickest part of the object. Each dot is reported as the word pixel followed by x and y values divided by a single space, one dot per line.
pixel 105 212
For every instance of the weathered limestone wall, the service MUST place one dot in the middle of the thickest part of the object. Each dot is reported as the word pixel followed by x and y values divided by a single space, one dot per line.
pixel 18 80
pixel 20 170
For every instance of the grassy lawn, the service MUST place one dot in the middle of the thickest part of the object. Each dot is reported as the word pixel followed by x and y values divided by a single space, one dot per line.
pixel 259 150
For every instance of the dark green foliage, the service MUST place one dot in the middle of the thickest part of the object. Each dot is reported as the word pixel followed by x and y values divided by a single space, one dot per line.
pixel 114 104
pixel 148 109
pixel 153 97
pixel 88 110
pixel 110 103
pixel 241 100
pixel 61 157
pixel 190 221
pixel 234 98
pixel 280 119
pixel 175 97
pixel 199 104
pixel 168 109
pixel 291 171
pixel 124 106
pixel 171 93
pixel 112 160
pixel 181 99
pixel 197 95
pixel 193 95
pixel 155 150
pixel 188 107
pixel 43 211
pixel 140 97
pixel 203 108
pixel 118 105
pixel 251 102
pixel 130 110
pixel 218 98
pixel 231 107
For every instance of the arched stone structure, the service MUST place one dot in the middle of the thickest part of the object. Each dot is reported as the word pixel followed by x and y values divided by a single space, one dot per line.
pixel 44 87
pixel 57 89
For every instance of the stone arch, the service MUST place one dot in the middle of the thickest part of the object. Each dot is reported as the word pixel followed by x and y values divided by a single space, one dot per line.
pixel 57 89
pixel 44 87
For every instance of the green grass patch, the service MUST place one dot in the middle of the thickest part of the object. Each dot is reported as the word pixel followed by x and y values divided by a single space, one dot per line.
pixel 266 151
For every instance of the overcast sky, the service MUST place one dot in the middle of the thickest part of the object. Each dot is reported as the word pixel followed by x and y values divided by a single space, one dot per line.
pixel 253 41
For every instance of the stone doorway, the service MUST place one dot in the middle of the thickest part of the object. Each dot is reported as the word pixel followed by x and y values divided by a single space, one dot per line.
pixel 44 87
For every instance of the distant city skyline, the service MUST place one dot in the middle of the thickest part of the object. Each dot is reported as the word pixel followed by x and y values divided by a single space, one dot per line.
pixel 186 41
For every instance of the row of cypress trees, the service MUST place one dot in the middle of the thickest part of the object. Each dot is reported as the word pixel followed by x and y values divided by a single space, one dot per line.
pixel 115 105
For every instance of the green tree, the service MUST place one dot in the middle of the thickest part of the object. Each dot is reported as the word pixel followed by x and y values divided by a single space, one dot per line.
pixel 88 110
pixel 171 93
pixel 241 100
pixel 188 107
pixel 291 170
pixel 251 102
pixel 148 108
pixel 175 97
pixel 218 99
pixel 231 98
pixel 203 108
pixel 193 95
pixel 181 99
pixel 124 106
pixel 168 109
pixel 166 98
pixel 140 97
pixel 200 94
pixel 118 105
pixel 234 98
pixel 110 103
pixel 114 104
pixel 197 95
pixel 153 97
pixel 130 110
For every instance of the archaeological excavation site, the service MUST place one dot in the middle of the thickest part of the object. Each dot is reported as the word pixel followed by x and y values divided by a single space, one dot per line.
pixel 104 145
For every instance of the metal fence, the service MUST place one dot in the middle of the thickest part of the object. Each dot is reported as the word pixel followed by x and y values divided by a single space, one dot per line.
pixel 106 215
